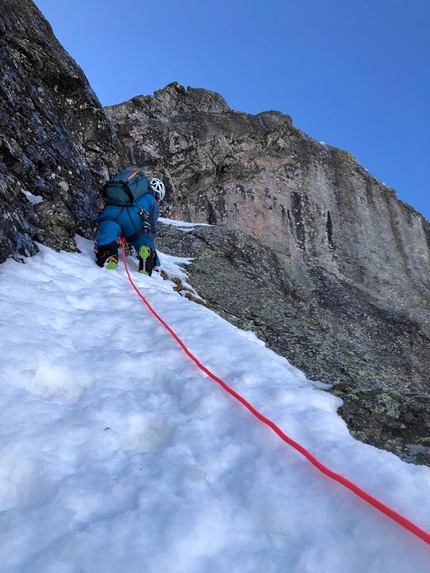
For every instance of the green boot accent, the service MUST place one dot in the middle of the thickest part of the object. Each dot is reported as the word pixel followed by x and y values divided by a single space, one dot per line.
pixel 144 252
pixel 143 255
pixel 112 263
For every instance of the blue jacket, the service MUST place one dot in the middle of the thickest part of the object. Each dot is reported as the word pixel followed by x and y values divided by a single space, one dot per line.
pixel 128 222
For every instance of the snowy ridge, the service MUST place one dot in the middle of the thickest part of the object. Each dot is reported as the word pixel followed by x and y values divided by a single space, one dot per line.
pixel 118 454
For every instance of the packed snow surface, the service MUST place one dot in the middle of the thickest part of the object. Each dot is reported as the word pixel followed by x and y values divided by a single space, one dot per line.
pixel 118 455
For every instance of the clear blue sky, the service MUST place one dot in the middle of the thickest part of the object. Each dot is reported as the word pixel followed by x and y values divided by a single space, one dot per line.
pixel 352 73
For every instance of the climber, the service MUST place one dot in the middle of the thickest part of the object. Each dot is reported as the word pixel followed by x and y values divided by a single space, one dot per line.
pixel 133 218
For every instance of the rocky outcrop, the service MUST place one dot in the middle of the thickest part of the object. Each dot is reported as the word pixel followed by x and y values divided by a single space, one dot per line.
pixel 307 249
pixel 259 174
pixel 56 143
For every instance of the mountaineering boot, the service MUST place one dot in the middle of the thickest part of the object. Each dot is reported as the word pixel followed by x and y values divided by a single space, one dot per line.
pixel 143 255
pixel 107 254
pixel 150 262
pixel 111 263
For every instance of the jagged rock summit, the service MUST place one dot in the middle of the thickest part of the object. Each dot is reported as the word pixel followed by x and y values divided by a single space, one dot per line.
pixel 259 174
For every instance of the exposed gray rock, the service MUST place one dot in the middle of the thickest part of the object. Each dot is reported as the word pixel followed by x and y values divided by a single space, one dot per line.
pixel 56 143
pixel 259 174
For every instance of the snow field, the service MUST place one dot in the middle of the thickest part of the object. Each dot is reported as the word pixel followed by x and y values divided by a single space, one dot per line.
pixel 118 454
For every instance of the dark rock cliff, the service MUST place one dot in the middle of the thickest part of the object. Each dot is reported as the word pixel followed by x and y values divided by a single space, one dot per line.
pixel 304 247
pixel 56 143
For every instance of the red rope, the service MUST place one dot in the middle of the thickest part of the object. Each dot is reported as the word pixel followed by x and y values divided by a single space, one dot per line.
pixel 326 471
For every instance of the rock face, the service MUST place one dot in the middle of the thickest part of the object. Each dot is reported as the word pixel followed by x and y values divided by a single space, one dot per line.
pixel 259 174
pixel 56 143
pixel 307 249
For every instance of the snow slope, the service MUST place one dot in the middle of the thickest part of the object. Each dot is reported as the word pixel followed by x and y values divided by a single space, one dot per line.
pixel 119 455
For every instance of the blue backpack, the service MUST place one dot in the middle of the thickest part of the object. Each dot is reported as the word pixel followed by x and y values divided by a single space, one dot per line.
pixel 125 187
